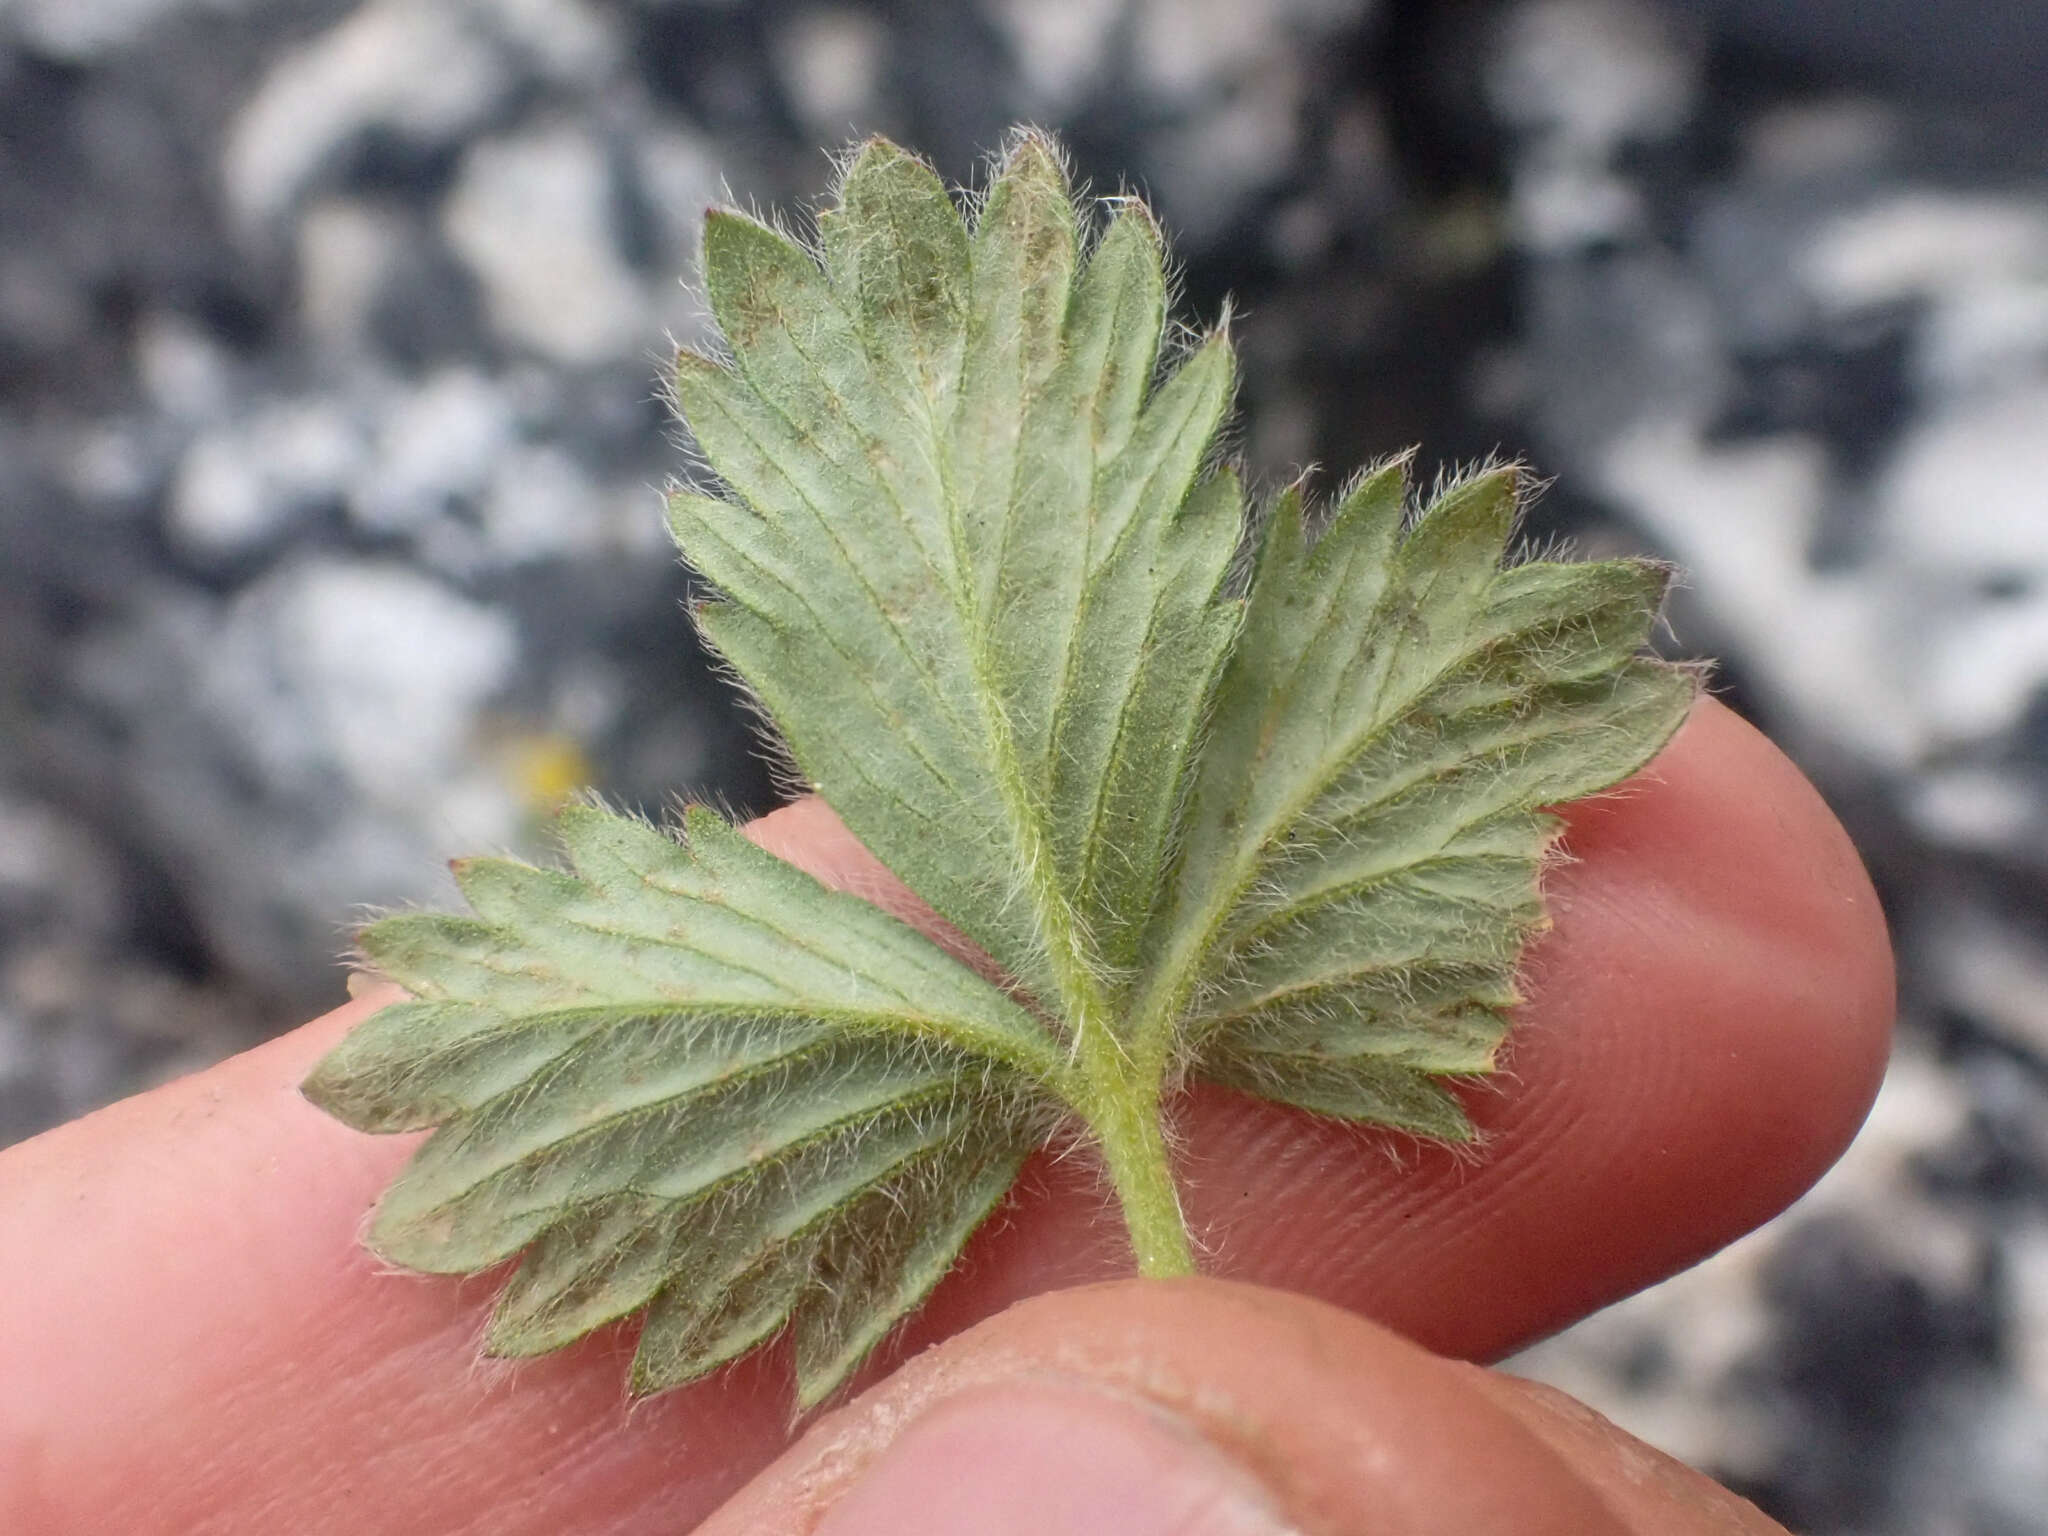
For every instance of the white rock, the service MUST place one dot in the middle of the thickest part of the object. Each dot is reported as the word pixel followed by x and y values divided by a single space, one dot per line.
pixel 1560 206
pixel 1058 45
pixel 531 217
pixel 50 869
pixel 1976 807
pixel 1920 1108
pixel 1582 80
pixel 1831 136
pixel 41 305
pixel 1186 48
pixel 238 485
pixel 1992 967
pixel 437 445
pixel 82 31
pixel 1921 243
pixel 679 177
pixel 1739 519
pixel 111 466
pixel 1980 670
pixel 831 61
pixel 1710 1320
pixel 1991 337
pixel 1966 496
pixel 562 40
pixel 1203 173
pixel 1590 76
pixel 417 67
pixel 2027 1253
pixel 363 669
pixel 346 251
pixel 1705 1322
pixel 542 505
pixel 186 374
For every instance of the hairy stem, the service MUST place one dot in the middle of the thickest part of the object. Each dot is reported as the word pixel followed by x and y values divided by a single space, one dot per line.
pixel 1124 1113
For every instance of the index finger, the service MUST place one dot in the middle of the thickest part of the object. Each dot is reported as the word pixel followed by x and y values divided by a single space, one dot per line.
pixel 208 1349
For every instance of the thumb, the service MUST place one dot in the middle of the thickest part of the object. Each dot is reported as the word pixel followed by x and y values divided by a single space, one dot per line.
pixel 1202 1408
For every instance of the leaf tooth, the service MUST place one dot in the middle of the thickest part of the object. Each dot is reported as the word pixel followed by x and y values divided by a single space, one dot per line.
pixel 616 854
pixel 1548 746
pixel 828 453
pixel 485 1185
pixel 1107 797
pixel 632 1109
pixel 441 958
pixel 683 1341
pixel 600 1261
pixel 1441 574
pixel 597 1264
pixel 794 457
pixel 1356 546
pixel 1027 216
pixel 734 548
pixel 718 937
pixel 1361 1090
pixel 509 894
pixel 764 1256
pixel 723 852
pixel 1169 444
pixel 756 278
pixel 1428 1019
pixel 1547 625
pixel 786 1116
pixel 1471 508
pixel 1382 929
pixel 614 951
pixel 414 1065
pixel 1115 324
pixel 883 1257
pixel 896 250
pixel 1023 253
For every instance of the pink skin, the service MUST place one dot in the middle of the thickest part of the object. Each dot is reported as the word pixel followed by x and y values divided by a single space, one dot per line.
pixel 192 1341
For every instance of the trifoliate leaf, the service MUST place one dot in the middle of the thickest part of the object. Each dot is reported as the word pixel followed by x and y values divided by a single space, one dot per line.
pixel 973 551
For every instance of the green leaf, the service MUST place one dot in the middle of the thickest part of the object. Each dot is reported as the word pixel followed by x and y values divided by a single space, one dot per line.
pixel 971 561
pixel 972 547
pixel 685 1075
pixel 1359 876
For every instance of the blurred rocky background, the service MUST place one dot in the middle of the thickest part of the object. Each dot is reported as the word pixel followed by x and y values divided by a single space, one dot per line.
pixel 331 444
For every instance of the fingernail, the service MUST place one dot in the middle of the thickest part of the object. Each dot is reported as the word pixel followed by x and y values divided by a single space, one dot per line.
pixel 1040 1459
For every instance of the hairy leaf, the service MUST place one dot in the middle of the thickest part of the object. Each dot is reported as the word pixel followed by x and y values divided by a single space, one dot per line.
pixel 964 570
pixel 1360 869
pixel 972 548
pixel 685 1075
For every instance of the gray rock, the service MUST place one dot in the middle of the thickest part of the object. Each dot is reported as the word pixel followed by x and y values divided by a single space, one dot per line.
pixel 83 31
pixel 241 486
pixel 531 215
pixel 418 69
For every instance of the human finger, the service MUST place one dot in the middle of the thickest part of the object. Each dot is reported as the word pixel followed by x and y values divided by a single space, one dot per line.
pixel 1704 1030
pixel 1205 1408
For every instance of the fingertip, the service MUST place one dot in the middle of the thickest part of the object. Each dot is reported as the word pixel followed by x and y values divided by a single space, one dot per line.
pixel 1768 993
pixel 1193 1406
pixel 1707 1023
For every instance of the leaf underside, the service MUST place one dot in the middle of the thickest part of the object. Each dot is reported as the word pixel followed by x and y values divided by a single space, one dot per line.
pixel 974 555
pixel 687 1078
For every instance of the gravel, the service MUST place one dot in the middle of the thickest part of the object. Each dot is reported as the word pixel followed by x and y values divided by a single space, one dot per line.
pixel 331 443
